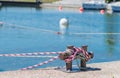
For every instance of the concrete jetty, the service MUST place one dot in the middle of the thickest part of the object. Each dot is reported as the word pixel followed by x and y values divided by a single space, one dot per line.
pixel 20 3
pixel 115 6
pixel 97 70
pixel 65 3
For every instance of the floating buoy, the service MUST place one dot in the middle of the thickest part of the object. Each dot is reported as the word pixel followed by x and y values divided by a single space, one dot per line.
pixel 81 9
pixel 1 23
pixel 64 23
pixel 60 8
pixel 102 11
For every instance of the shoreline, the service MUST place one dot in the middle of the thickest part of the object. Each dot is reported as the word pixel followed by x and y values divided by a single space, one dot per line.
pixel 64 3
pixel 20 3
pixel 108 7
pixel 98 70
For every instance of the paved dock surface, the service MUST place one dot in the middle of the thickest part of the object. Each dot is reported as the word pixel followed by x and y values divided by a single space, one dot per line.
pixel 65 3
pixel 96 70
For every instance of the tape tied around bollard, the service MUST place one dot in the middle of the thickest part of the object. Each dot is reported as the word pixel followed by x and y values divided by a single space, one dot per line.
pixel 29 54
pixel 35 54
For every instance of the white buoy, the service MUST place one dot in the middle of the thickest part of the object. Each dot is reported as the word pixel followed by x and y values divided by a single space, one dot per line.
pixel 1 23
pixel 64 23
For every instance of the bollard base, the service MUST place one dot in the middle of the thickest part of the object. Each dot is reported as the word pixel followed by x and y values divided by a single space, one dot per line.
pixel 69 66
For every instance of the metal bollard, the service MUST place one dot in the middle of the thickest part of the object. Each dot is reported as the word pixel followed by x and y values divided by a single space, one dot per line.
pixel 69 66
pixel 83 61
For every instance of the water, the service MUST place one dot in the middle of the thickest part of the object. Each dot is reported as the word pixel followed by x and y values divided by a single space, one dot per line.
pixel 33 30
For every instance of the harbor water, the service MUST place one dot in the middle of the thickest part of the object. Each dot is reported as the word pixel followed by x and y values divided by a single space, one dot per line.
pixel 29 30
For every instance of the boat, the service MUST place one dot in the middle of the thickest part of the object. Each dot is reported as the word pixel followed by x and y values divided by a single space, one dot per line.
pixel 94 5
pixel 115 6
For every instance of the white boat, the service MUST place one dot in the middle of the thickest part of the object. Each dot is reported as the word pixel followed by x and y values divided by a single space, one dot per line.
pixel 94 5
pixel 115 6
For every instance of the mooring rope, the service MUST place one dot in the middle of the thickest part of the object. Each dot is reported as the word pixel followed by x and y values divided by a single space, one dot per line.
pixel 27 27
pixel 95 33
pixel 70 33
pixel 57 32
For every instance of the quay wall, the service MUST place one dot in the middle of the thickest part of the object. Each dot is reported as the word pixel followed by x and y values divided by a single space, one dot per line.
pixel 16 3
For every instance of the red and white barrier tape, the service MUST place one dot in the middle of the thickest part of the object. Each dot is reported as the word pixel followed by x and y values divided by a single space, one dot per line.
pixel 39 56
pixel 40 64
pixel 30 54
pixel 77 50
pixel 35 54
pixel 86 54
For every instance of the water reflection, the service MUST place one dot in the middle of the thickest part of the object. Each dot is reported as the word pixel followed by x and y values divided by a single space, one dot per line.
pixel 111 27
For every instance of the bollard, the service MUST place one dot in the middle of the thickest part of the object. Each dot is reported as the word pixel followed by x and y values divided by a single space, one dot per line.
pixel 69 66
pixel 69 50
pixel 83 61
pixel 71 53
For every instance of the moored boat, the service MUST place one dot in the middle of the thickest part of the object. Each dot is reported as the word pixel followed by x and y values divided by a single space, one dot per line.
pixel 94 5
